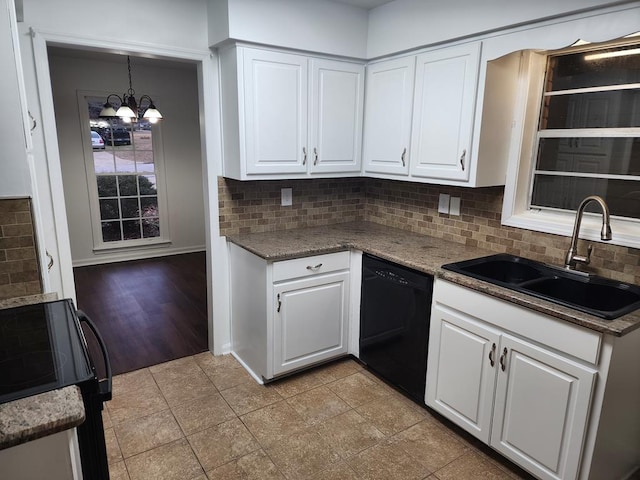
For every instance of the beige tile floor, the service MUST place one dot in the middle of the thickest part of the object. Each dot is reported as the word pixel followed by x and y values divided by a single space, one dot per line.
pixel 204 418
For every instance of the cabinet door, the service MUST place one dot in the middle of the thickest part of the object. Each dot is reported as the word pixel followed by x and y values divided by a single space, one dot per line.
pixel 275 112
pixel 310 320
pixel 336 109
pixel 387 124
pixel 446 83
pixel 462 370
pixel 541 409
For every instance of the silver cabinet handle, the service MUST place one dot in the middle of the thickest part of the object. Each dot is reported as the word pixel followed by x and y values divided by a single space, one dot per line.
pixel 404 152
pixel 503 359
pixel 279 304
pixel 464 154
pixel 50 264
pixel 304 153
pixel 309 267
pixel 492 355
pixel 315 156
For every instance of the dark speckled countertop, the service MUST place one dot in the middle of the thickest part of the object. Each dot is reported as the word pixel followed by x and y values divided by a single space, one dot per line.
pixel 420 252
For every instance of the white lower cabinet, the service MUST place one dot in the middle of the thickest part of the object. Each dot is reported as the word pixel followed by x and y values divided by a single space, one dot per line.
pixel 289 314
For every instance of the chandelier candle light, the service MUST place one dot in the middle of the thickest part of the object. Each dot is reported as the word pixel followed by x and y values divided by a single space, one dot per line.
pixel 128 110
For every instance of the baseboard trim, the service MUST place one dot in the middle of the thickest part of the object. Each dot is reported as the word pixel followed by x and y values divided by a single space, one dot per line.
pixel 136 255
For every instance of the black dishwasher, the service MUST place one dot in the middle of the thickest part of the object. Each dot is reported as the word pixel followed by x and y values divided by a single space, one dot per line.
pixel 394 323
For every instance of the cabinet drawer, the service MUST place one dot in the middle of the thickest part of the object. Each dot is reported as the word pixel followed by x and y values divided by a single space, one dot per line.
pixel 305 266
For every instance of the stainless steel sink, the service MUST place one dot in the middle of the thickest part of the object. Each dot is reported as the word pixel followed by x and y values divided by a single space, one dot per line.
pixel 595 295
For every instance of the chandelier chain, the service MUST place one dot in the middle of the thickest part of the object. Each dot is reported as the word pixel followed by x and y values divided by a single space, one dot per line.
pixel 131 91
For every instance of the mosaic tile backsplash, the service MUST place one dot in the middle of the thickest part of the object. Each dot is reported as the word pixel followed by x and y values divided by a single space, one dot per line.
pixel 249 207
pixel 18 261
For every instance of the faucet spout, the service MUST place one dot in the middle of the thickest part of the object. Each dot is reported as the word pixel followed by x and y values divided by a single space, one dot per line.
pixel 572 259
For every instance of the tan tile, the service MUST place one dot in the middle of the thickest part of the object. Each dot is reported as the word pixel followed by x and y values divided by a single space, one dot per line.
pixel 118 471
pixel 317 405
pixel 174 461
pixel 182 380
pixel 135 380
pixel 302 455
pixel 357 389
pixel 136 403
pixel 288 387
pixel 337 471
pixel 387 461
pixel 202 413
pixel 391 414
pixel 472 466
pixel 431 445
pixel 106 419
pixel 342 368
pixel 349 433
pixel 273 422
pixel 114 454
pixel 247 397
pixel 224 370
pixel 223 443
pixel 255 466
pixel 145 433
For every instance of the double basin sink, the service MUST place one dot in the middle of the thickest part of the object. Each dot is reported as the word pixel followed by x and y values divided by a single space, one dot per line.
pixel 591 294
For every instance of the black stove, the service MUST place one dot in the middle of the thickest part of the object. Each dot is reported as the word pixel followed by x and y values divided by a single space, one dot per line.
pixel 42 348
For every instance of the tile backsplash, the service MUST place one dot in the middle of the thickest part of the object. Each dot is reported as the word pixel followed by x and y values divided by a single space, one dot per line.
pixel 254 206
pixel 19 274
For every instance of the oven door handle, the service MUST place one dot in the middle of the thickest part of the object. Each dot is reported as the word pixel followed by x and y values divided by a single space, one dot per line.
pixel 104 385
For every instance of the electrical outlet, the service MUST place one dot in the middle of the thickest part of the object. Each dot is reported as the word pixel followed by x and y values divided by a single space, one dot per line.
pixel 443 203
pixel 454 206
pixel 286 197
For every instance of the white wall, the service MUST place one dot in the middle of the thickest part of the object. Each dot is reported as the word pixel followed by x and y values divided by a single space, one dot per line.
pixel 14 170
pixel 407 24
pixel 313 25
pixel 174 89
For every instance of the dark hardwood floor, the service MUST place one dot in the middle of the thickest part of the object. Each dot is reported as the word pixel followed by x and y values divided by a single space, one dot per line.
pixel 147 311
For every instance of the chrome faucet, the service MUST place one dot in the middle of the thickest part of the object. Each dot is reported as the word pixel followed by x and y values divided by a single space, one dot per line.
pixel 572 259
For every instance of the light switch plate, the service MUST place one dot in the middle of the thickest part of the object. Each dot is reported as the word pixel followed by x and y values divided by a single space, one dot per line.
pixel 454 206
pixel 286 197
pixel 443 203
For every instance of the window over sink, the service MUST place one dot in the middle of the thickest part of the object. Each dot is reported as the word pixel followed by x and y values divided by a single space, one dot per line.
pixel 581 127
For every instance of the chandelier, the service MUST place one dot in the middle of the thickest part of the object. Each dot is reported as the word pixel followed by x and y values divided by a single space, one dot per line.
pixel 129 110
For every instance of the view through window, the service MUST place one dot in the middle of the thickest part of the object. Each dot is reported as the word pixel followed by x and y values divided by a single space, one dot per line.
pixel 589 132
pixel 126 177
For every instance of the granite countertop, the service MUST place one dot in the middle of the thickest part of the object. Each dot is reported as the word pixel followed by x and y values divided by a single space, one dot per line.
pixel 420 252
pixel 40 415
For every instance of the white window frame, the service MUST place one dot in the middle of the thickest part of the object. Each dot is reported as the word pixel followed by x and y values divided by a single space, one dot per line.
pixel 100 246
pixel 522 155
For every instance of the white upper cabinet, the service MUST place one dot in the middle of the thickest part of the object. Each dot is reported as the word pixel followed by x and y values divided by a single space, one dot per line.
pixel 274 88
pixel 389 103
pixel 288 115
pixel 335 116
pixel 443 112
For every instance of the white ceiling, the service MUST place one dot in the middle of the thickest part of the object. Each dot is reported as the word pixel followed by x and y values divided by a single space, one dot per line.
pixel 367 4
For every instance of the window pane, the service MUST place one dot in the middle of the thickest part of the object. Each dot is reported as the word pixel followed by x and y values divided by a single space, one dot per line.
pixel 109 209
pixel 107 186
pixel 575 71
pixel 103 162
pixel 127 185
pixel 622 196
pixel 149 206
pixel 616 156
pixel 125 162
pixel 143 140
pixel 150 227
pixel 131 229
pixel 614 109
pixel 145 166
pixel 111 232
pixel 147 184
pixel 129 207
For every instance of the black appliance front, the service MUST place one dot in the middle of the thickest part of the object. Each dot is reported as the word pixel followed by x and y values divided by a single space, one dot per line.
pixel 42 348
pixel 394 323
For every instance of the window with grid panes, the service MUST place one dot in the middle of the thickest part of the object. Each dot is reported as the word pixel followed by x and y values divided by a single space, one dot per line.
pixel 126 176
pixel 588 141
